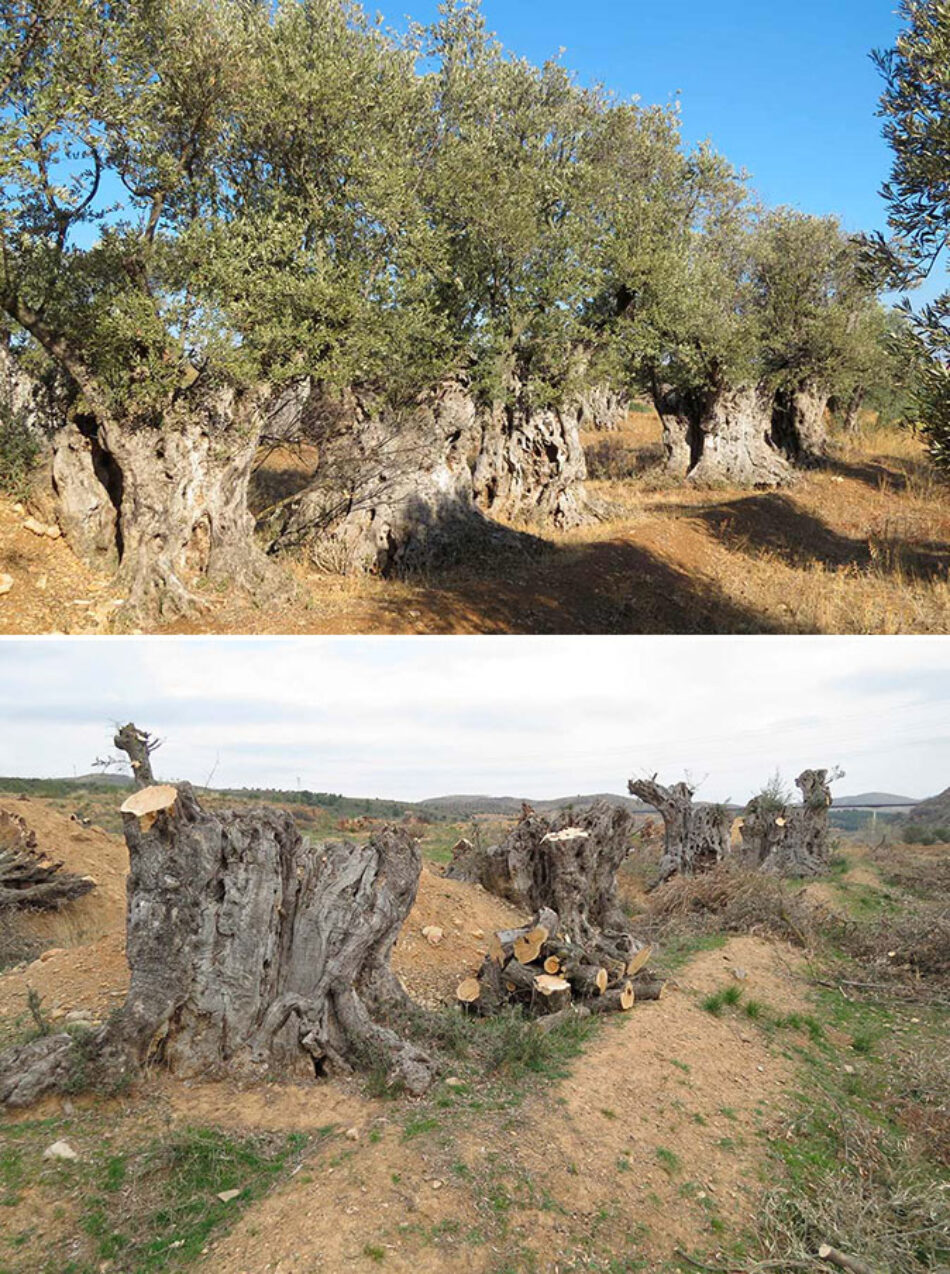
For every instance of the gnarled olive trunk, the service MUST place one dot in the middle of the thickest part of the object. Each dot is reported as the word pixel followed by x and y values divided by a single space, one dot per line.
pixel 251 954
pixel 397 492
pixel 567 864
pixel 530 467
pixel 799 424
pixel 790 841
pixel 697 836
pixel 166 505
pixel 601 407
pixel 722 436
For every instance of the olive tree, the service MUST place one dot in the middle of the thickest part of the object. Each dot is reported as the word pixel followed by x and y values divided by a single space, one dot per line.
pixel 915 107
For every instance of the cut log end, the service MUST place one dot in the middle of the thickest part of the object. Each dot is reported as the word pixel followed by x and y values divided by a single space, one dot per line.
pixel 639 961
pixel 552 965
pixel 469 991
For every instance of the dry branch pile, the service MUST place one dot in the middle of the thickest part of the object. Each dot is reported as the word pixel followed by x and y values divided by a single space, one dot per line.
pixel 28 876
pixel 540 969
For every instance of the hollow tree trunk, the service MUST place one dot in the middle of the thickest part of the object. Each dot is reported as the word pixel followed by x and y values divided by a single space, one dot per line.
pixel 791 841
pixel 722 436
pixel 567 864
pixel 251 954
pixel 165 504
pixel 697 837
pixel 530 467
pixel 799 424
pixel 395 494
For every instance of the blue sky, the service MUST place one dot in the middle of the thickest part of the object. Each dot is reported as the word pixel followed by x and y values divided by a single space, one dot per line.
pixel 786 91
pixel 411 718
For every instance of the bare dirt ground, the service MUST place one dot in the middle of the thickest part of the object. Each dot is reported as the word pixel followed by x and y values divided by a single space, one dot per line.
pixel 655 1140
pixel 860 546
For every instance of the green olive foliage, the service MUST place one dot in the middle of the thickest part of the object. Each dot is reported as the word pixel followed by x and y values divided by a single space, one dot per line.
pixel 915 107
pixel 205 192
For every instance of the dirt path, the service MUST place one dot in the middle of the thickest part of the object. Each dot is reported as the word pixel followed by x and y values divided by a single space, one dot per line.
pixel 654 1142
pixel 863 546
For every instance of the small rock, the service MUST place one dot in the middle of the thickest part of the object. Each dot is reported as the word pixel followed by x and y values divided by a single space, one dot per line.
pixel 38 528
pixel 79 1015
pixel 437 1184
pixel 41 582
pixel 433 934
pixel 227 1195
pixel 18 508
pixel 6 583
pixel 478 933
pixel 60 1150
pixel 453 1081
pixel 52 951
pixel 352 1134
pixel 849 1070
pixel 740 975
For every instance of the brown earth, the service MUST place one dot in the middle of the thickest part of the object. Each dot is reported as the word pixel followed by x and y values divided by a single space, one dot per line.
pixel 861 546
pixel 653 1140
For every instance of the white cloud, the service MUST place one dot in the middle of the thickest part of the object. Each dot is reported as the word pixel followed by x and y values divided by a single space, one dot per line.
pixel 417 717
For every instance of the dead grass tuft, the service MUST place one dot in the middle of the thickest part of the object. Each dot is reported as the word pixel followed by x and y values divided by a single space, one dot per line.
pixel 732 900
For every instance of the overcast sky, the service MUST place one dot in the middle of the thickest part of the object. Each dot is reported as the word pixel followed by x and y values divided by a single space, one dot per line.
pixel 410 718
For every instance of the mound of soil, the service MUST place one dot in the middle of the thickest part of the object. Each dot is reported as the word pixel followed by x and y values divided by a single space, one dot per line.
pixel 87 851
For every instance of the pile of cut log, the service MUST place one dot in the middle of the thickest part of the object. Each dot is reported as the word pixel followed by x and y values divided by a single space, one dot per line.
pixel 540 969
pixel 28 876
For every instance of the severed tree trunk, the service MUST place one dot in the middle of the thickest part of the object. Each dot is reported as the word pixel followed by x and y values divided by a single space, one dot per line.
pixel 790 841
pixel 251 954
pixel 138 745
pixel 164 504
pixel 568 865
pixel 799 424
pixel 721 436
pixel 29 878
pixel 697 836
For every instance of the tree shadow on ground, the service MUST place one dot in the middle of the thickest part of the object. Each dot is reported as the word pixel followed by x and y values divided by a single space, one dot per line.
pixel 609 587
pixel 773 524
pixel 873 473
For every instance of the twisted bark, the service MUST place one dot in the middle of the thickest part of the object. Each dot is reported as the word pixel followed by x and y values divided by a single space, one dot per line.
pixel 790 841
pixel 696 836
pixel 251 954
pixel 567 864
pixel 721 436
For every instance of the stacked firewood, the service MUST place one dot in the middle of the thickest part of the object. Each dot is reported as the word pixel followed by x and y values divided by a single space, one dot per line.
pixel 29 877
pixel 540 969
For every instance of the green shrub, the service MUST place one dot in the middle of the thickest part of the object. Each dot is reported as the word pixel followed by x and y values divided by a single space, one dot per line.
pixel 19 453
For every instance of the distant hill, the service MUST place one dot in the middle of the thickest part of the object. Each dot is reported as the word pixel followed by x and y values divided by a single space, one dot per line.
pixel 874 800
pixel 934 812
pixel 466 806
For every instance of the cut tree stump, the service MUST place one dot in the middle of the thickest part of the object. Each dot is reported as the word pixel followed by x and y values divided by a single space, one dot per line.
pixel 697 836
pixel 791 841
pixel 252 954
pixel 567 865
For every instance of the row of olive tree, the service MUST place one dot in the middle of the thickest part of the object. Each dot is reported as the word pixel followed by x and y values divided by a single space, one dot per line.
pixel 203 204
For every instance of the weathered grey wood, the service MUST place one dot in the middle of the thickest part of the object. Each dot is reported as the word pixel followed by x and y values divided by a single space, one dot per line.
pixel 398 492
pixel 790 841
pixel 724 435
pixel 799 424
pixel 138 745
pixel 29 878
pixel 568 863
pixel 173 496
pixel 696 836
pixel 253 954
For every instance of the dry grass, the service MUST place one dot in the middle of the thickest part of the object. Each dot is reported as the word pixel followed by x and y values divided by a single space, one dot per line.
pixel 729 900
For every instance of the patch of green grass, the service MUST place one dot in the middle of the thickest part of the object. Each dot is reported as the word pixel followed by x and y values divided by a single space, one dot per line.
pixel 418 1125
pixel 374 1253
pixel 669 1160
pixel 715 1003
